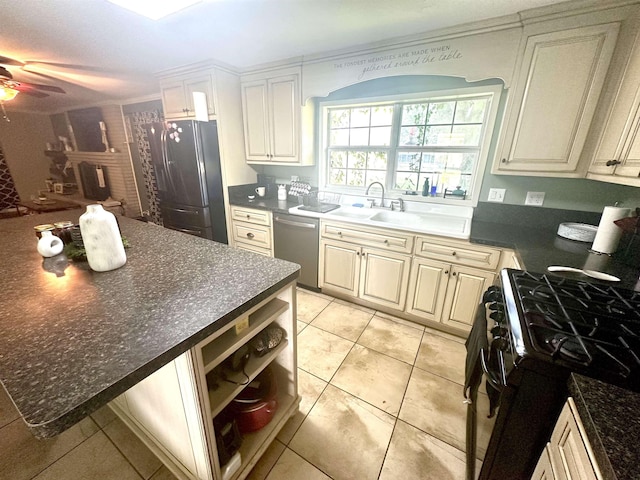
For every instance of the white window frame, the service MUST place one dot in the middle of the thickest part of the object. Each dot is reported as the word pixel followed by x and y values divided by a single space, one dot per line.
pixel 492 91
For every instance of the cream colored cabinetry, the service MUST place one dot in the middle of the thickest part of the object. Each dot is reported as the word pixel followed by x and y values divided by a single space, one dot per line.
pixel 447 280
pixel 367 263
pixel 251 230
pixel 177 95
pixel 275 121
pixel 559 80
pixel 568 454
pixel 616 156
pixel 173 410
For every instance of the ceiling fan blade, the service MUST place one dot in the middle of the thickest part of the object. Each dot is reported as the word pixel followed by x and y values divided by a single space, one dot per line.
pixel 30 91
pixel 46 88
pixel 10 61
pixel 57 66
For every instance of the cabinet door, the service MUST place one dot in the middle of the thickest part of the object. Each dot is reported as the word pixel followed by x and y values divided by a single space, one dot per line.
pixel 630 166
pixel 174 102
pixel 340 266
pixel 199 84
pixel 464 292
pixel 255 120
pixel 427 288
pixel 544 470
pixel 283 118
pixel 384 277
pixel 554 99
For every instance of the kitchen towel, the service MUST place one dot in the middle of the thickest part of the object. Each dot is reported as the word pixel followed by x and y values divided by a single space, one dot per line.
pixel 609 234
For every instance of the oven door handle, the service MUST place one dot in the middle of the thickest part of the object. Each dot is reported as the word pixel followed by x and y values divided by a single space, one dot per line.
pixel 492 378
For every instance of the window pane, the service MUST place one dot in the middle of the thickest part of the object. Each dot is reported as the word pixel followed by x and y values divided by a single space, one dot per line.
pixel 433 162
pixel 440 112
pixel 355 178
pixel 338 159
pixel 339 137
pixel 357 160
pixel 440 136
pixel 376 176
pixel 377 161
pixel 359 136
pixel 337 176
pixel 339 118
pixel 411 136
pixel 469 161
pixel 468 135
pixel 408 162
pixel 360 117
pixel 380 136
pixel 471 111
pixel 382 115
pixel 415 114
pixel 406 181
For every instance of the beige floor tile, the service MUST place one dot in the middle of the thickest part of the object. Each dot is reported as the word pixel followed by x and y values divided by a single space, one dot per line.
pixel 301 326
pixel 442 334
pixel 321 353
pixel 344 437
pixel 8 412
pixel 414 454
pixel 344 320
pixel 293 467
pixel 103 416
pixel 403 321
pixel 310 388
pixel 22 456
pixel 267 461
pixel 391 338
pixel 442 356
pixel 362 308
pixel 92 459
pixel 435 405
pixel 145 462
pixel 310 305
pixel 163 473
pixel 373 377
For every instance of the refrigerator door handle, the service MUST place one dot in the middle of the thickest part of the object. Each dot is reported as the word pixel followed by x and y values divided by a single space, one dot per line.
pixel 182 210
pixel 165 160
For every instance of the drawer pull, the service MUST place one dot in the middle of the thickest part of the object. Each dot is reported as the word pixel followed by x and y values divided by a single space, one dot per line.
pixel 248 216
pixel 386 241
pixel 611 163
pixel 339 234
pixel 453 253
pixel 250 235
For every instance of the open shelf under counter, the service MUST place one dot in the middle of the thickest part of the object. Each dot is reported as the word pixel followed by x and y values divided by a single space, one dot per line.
pixel 217 351
pixel 226 391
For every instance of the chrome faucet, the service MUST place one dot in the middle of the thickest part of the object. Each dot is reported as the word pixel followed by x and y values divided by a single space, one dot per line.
pixel 400 202
pixel 381 197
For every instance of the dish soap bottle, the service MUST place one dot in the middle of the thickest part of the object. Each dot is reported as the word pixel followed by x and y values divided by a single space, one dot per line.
pixel 425 187
pixel 282 192
pixel 102 239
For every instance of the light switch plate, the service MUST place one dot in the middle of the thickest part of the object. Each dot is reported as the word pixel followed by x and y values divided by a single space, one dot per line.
pixel 496 194
pixel 534 198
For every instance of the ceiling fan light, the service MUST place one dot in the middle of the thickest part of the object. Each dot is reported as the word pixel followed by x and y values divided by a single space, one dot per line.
pixel 7 93
pixel 154 9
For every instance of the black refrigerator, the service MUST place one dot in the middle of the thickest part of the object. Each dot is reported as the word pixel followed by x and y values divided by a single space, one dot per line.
pixel 186 162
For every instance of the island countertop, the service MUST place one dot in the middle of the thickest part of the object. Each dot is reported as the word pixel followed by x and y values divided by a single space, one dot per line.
pixel 69 344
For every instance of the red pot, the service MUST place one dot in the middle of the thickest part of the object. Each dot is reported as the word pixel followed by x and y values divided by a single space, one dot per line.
pixel 255 408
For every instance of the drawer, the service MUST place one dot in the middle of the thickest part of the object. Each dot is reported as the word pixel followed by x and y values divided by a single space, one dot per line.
pixel 455 251
pixel 242 214
pixel 252 248
pixel 385 239
pixel 256 235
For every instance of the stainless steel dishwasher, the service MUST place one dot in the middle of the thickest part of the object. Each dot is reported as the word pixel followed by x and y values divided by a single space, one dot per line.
pixel 296 238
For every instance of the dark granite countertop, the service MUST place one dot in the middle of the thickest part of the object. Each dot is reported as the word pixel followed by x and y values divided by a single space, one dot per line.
pixel 239 196
pixel 70 344
pixel 531 231
pixel 610 418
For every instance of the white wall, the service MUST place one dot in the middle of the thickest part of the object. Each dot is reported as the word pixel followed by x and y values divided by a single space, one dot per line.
pixel 23 141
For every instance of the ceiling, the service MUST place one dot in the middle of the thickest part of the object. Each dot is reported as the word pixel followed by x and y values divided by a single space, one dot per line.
pixel 99 52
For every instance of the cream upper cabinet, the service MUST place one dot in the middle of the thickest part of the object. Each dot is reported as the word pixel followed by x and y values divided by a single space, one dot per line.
pixel 616 156
pixel 277 127
pixel 554 97
pixel 178 101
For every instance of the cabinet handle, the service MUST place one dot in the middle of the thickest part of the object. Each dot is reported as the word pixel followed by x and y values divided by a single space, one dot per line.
pixel 339 234
pixel 453 273
pixel 248 216
pixel 386 241
pixel 504 160
pixel 453 253
pixel 611 163
pixel 358 253
pixel 446 272
pixel 250 235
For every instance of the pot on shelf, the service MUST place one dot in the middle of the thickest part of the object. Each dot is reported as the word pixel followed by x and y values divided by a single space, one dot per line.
pixel 256 405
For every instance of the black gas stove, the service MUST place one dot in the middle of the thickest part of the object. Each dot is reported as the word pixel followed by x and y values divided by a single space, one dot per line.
pixel 547 327
pixel 589 328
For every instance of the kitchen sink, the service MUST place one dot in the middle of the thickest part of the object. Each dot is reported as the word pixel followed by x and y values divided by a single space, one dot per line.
pixel 398 218
pixel 351 212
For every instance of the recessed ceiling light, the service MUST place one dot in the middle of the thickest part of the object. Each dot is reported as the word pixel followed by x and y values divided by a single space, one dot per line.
pixel 154 9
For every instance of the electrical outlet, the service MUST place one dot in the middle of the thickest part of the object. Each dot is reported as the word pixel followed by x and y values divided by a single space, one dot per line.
pixel 496 194
pixel 535 199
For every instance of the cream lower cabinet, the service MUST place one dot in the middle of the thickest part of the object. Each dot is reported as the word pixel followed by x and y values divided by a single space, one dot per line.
pixel 251 230
pixel 568 455
pixel 173 410
pixel 446 293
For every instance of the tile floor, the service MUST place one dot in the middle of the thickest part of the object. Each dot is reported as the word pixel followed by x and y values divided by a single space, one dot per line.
pixel 381 400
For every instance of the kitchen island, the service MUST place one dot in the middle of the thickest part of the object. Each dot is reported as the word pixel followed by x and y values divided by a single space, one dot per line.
pixel 73 340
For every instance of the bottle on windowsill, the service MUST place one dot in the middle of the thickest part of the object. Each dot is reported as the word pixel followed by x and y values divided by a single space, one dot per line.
pixel 425 188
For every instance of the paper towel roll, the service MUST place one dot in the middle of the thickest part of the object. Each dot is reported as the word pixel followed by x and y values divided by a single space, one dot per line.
pixel 609 234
